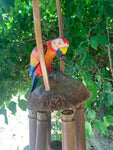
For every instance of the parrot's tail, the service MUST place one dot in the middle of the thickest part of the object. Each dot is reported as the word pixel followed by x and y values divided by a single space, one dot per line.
pixel 34 83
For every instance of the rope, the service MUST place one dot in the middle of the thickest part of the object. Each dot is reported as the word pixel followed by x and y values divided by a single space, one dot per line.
pixel 45 119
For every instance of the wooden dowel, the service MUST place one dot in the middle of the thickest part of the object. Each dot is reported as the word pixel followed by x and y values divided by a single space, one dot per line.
pixel 68 130
pixel 37 25
pixel 42 135
pixel 61 26
pixel 80 141
pixel 32 129
pixel 59 18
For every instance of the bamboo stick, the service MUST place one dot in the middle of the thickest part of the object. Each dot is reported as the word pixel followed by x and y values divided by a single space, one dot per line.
pixel 49 130
pixel 37 25
pixel 68 130
pixel 80 141
pixel 61 26
pixel 42 131
pixel 32 129
pixel 60 21
pixel 43 128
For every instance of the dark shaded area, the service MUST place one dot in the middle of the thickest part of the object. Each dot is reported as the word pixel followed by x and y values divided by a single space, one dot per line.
pixel 56 145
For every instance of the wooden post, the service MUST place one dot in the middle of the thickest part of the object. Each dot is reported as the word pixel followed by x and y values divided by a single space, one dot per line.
pixel 80 141
pixel 32 129
pixel 37 25
pixel 42 131
pixel 68 130
pixel 61 26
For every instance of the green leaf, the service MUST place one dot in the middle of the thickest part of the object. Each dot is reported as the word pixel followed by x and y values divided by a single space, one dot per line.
pixel 101 99
pixel 107 87
pixel 51 6
pixel 91 114
pixel 110 109
pixel 83 59
pixel 98 77
pixel 101 10
pixel 110 98
pixel 88 130
pixel 102 40
pixel 109 9
pixel 99 125
pixel 99 85
pixel 20 18
pixel 109 119
pixel 93 42
pixel 79 13
pixel 59 113
pixel 111 2
pixel 22 104
pixel 98 39
pixel 3 111
pixel 105 72
pixel 12 107
pixel 89 62
pixel 93 90
pixel 6 4
pixel 105 122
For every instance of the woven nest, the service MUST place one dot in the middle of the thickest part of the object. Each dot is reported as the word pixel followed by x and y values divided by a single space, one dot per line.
pixel 66 92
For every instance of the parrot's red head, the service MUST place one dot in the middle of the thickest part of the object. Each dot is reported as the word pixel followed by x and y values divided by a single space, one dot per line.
pixel 59 45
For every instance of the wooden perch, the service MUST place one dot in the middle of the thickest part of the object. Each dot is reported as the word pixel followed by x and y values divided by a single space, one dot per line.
pixel 65 93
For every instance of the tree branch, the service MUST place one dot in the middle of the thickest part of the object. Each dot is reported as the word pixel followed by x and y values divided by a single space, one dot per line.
pixel 109 50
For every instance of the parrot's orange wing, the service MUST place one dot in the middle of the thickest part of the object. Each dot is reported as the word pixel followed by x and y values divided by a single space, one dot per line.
pixel 34 58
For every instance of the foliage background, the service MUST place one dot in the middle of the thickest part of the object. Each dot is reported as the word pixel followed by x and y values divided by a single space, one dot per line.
pixel 89 29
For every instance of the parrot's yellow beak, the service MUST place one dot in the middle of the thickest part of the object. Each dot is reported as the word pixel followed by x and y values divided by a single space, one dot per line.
pixel 64 50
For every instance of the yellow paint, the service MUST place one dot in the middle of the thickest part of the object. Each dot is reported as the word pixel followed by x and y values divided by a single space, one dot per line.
pixel 33 61
pixel 64 49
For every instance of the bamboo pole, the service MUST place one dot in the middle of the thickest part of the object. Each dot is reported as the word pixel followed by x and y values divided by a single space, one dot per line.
pixel 42 142
pixel 33 137
pixel 32 129
pixel 68 132
pixel 49 130
pixel 66 142
pixel 61 26
pixel 60 22
pixel 37 25
pixel 80 141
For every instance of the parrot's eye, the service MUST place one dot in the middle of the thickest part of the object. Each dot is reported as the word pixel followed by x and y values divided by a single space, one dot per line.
pixel 60 43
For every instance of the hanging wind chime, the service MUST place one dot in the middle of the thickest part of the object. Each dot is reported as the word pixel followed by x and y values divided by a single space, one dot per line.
pixel 59 92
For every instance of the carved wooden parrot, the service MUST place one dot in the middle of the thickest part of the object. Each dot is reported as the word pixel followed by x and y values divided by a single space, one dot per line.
pixel 51 48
